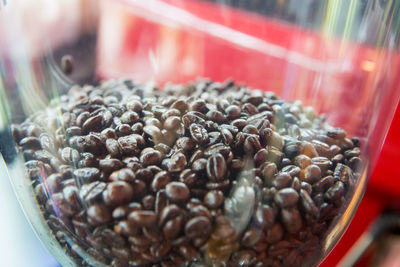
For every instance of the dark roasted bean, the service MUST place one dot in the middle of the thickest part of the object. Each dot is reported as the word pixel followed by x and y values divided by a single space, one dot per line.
pixel 110 165
pixel 198 226
pixel 251 237
pixel 161 179
pixel 87 175
pixel 125 174
pixel 117 193
pixel 216 167
pixel 312 174
pixel 286 197
pixel 143 218
pixel 291 219
pixel 307 203
pixel 198 133
pixel 151 157
pixel 335 192
pixel 30 143
pixel 98 214
pixel 281 180
pixel 91 192
pixel 177 192
pixel 214 199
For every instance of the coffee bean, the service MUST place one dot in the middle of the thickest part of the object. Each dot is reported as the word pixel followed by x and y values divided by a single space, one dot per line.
pixel 268 172
pixel 117 193
pixel 312 174
pixel 124 174
pixel 161 179
pixel 336 133
pixel 151 157
pixel 216 116
pixel 30 143
pixel 143 218
pixel 185 143
pixel 216 167
pixel 93 124
pixel 177 191
pixel 98 214
pixel 198 133
pixel 172 228
pixel 244 258
pixel 335 192
pixel 177 162
pixel 251 237
pixel 291 219
pixel 92 192
pixel 214 199
pixel 87 175
pixel 286 197
pixel 134 105
pixel 113 148
pixel 110 165
pixel 198 226
pixel 281 180
pixel 307 203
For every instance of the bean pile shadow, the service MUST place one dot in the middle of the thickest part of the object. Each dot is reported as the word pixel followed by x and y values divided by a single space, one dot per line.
pixel 203 174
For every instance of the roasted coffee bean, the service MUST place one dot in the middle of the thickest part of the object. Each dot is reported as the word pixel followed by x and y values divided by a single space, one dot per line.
pixel 268 172
pixel 281 180
pixel 172 228
pixel 129 117
pixel 113 148
pixel 177 162
pixel 244 258
pixel 214 199
pixel 198 226
pixel 336 133
pixel 98 214
pixel 291 219
pixel 188 177
pixel 323 184
pixel 143 218
pixel 312 174
pixel 198 105
pixel 110 165
pixel 251 237
pixel 193 118
pixel 87 175
pixel 151 157
pixel 30 143
pixel 131 143
pixel 216 167
pixel 292 170
pixel 117 193
pixel 335 192
pixel 185 143
pixel 251 145
pixel 286 197
pixel 161 179
pixel 260 157
pixel 177 192
pixel 125 174
pixel 307 203
pixel 134 105
pixel 92 192
pixel 93 124
pixel 198 133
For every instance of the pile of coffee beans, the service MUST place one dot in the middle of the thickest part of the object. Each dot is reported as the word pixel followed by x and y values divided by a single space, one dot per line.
pixel 206 174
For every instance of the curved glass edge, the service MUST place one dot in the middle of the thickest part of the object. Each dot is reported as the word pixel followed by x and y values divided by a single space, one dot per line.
pixel 28 203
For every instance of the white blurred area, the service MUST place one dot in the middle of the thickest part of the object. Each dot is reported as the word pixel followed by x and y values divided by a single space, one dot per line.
pixel 19 246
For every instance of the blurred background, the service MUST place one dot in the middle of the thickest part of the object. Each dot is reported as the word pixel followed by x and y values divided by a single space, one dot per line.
pixel 373 236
